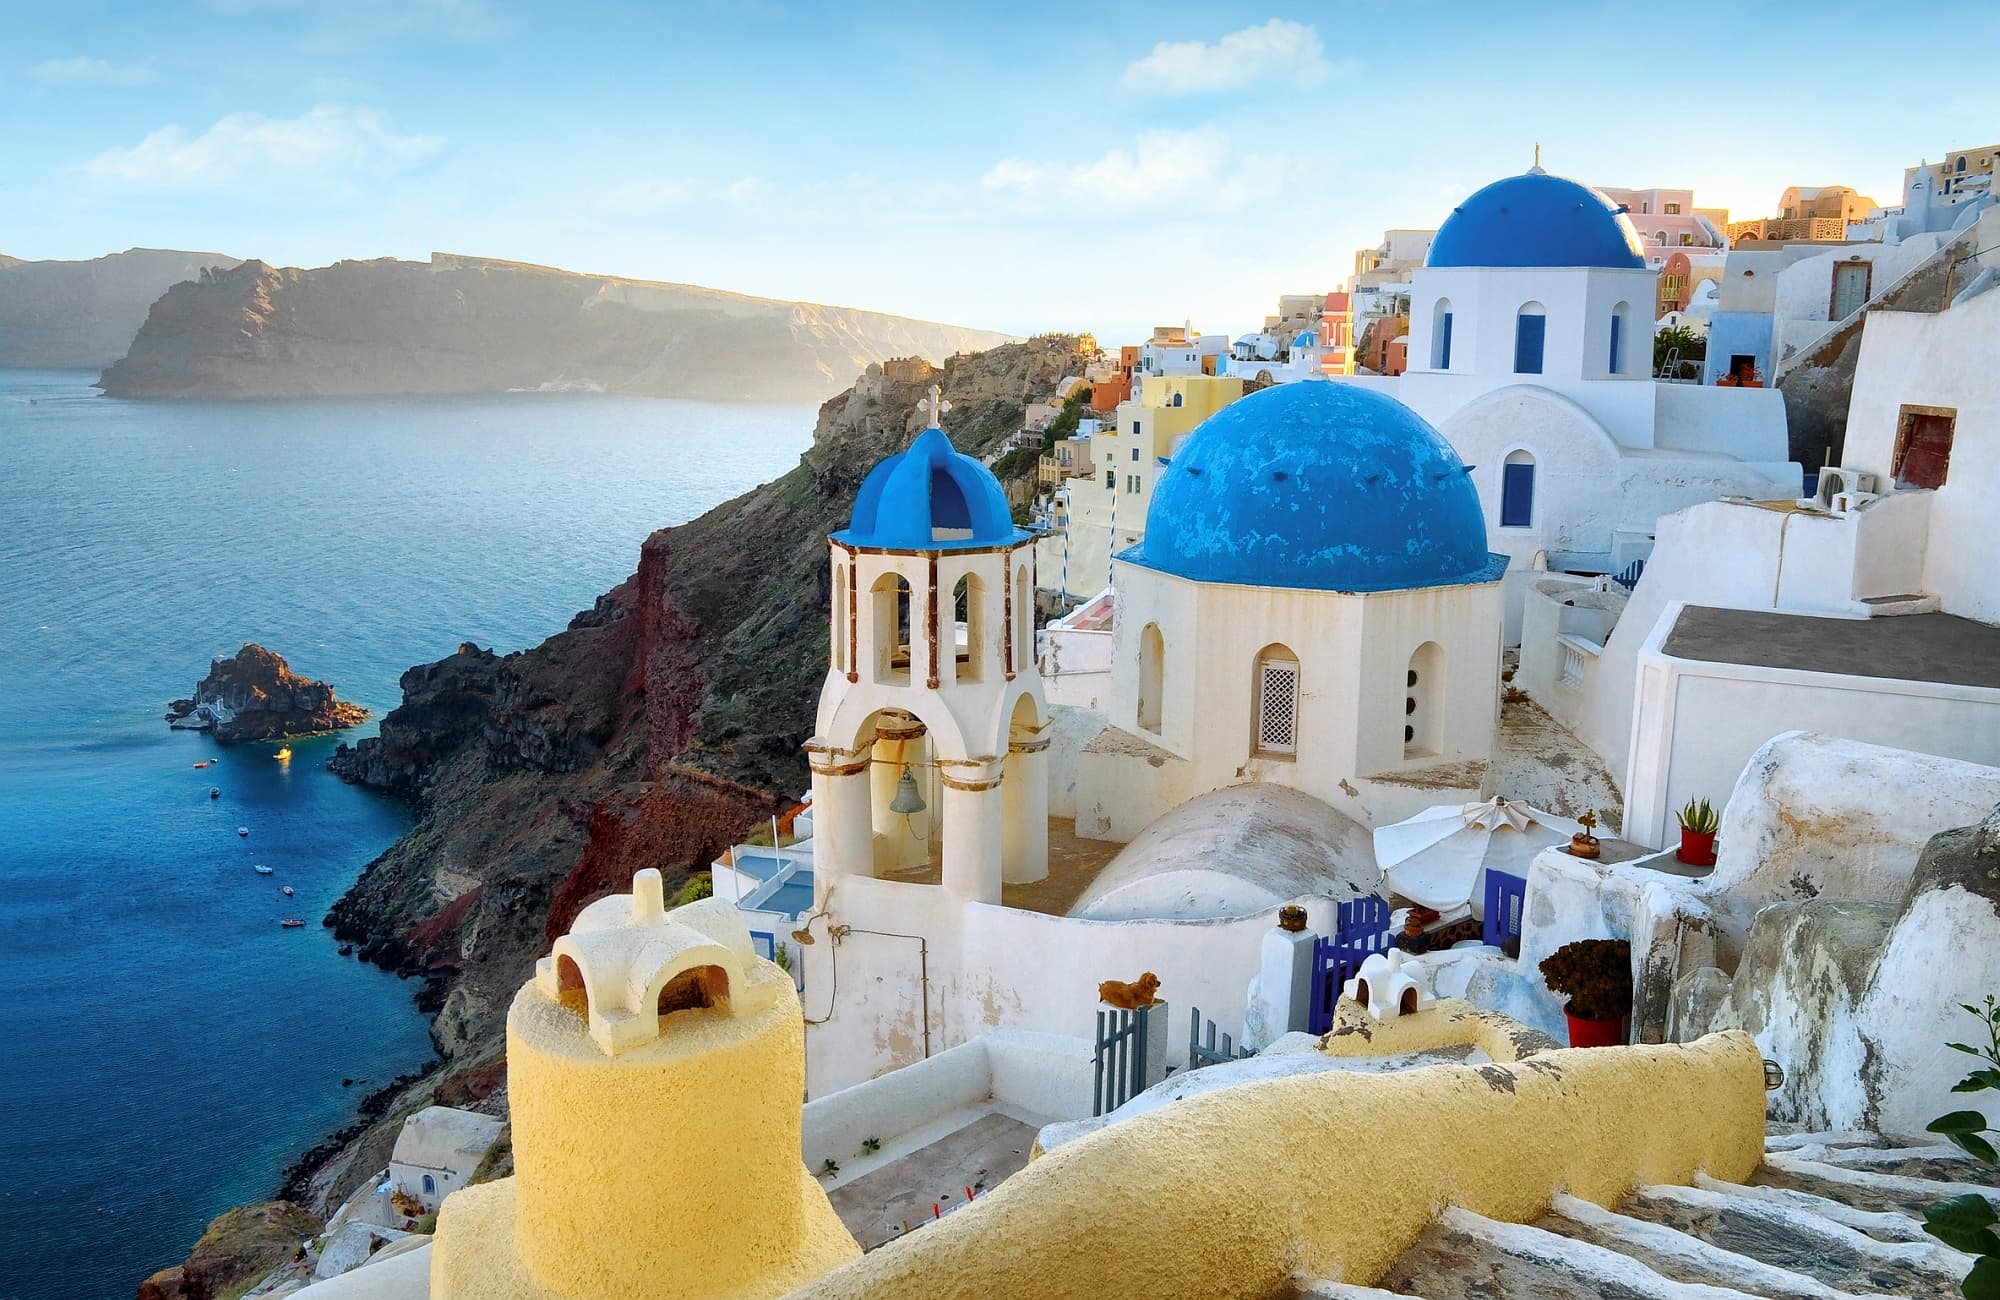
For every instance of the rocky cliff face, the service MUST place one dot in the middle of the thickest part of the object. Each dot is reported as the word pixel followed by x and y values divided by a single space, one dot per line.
pixel 82 315
pixel 655 730
pixel 465 325
pixel 237 1249
pixel 254 695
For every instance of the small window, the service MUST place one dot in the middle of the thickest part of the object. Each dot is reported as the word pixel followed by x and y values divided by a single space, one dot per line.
pixel 1135 428
pixel 1517 490
pixel 1441 335
pixel 1152 677
pixel 1617 356
pixel 1530 329
pixel 1110 480
pixel 1923 446
pixel 1135 454
pixel 430 1185
pixel 1423 711
pixel 1277 702
pixel 1673 209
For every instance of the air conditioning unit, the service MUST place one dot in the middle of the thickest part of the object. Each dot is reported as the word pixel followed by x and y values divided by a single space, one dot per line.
pixel 1836 481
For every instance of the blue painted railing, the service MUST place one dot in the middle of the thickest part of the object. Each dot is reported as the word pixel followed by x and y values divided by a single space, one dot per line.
pixel 1361 929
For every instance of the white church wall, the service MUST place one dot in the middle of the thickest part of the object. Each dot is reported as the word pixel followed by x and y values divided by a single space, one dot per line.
pixel 1747 423
pixel 1802 305
pixel 993 967
pixel 1354 654
pixel 1696 724
pixel 1942 360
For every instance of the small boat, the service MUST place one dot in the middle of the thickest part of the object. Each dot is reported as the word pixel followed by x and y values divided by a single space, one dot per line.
pixel 200 765
pixel 292 922
pixel 242 830
pixel 214 792
pixel 263 870
pixel 286 890
pixel 284 755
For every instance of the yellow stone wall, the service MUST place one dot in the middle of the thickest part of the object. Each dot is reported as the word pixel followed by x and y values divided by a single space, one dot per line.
pixel 1238 1191
pixel 669 1170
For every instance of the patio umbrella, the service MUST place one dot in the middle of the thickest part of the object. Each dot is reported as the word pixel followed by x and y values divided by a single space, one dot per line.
pixel 1439 857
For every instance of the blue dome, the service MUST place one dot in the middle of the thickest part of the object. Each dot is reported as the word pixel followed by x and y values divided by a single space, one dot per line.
pixel 1318 484
pixel 1537 220
pixel 930 498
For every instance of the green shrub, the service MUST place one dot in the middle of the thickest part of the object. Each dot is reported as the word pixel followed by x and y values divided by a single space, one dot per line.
pixel 696 889
pixel 1966 1222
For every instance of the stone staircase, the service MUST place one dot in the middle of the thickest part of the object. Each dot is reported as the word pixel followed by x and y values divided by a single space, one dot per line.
pixel 1827 1215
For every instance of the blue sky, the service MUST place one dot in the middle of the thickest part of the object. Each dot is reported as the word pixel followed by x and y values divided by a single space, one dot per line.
pixel 1023 166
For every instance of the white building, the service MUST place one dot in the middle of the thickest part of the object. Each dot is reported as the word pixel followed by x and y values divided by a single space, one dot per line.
pixel 438 1150
pixel 1531 351
pixel 1878 596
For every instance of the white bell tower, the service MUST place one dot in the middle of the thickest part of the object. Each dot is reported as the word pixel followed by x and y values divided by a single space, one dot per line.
pixel 929 760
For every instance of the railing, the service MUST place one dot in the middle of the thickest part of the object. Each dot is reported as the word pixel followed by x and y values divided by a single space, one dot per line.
pixel 1204 1052
pixel 1361 929
pixel 1120 1072
pixel 1571 672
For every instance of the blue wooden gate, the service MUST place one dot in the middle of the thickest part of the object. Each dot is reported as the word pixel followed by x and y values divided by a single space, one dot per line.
pixel 1361 928
pixel 1121 1059
pixel 1505 896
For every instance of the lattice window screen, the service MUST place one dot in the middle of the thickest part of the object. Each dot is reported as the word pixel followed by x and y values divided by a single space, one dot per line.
pixel 1277 707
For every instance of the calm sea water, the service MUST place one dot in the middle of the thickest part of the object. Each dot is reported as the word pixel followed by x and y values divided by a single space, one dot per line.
pixel 165 1046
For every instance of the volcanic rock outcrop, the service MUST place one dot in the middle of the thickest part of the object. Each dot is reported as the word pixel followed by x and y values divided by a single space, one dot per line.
pixel 254 695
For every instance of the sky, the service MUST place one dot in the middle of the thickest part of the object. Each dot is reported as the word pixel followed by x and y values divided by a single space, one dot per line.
pixel 1023 166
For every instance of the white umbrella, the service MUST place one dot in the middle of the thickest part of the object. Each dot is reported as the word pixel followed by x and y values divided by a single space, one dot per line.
pixel 1438 857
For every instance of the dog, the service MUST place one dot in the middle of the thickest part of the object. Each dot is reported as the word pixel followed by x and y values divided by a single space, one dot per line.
pixel 1142 992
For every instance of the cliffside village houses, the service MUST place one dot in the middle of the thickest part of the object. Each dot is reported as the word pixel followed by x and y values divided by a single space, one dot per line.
pixel 1388 684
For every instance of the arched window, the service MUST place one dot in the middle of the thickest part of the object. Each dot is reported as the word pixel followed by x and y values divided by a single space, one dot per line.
pixel 1961 164
pixel 839 625
pixel 1517 490
pixel 1530 329
pixel 1177 399
pixel 1660 237
pixel 1441 335
pixel 1619 315
pixel 891 628
pixel 1152 677
pixel 1423 702
pixel 968 603
pixel 1276 686
pixel 430 1185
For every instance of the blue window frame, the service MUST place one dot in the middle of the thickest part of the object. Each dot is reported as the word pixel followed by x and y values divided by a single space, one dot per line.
pixel 1517 494
pixel 1617 323
pixel 1444 341
pixel 1529 331
pixel 430 1185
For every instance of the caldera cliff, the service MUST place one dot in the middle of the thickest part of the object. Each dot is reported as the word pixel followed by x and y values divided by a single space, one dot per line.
pixel 656 730
pixel 476 325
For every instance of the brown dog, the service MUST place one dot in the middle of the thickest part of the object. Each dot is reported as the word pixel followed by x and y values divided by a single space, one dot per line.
pixel 1142 992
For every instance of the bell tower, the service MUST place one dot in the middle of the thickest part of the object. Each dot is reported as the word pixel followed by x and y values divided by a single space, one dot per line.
pixel 930 754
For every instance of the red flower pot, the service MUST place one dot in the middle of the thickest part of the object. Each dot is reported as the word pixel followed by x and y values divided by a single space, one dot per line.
pixel 1594 1033
pixel 1697 848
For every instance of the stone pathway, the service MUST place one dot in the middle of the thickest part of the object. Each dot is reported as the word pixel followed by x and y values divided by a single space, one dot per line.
pixel 1827 1216
pixel 881 1204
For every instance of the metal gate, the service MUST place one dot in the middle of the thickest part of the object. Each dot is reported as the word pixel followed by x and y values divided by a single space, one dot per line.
pixel 1121 1059
pixel 1361 929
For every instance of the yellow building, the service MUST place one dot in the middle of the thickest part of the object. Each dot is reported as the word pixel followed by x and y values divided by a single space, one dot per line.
pixel 1104 510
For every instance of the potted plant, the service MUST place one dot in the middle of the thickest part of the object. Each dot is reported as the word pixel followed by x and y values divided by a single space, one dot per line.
pixel 1595 976
pixel 1698 826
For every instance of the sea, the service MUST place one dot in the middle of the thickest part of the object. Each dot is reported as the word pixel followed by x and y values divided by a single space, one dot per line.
pixel 166 1046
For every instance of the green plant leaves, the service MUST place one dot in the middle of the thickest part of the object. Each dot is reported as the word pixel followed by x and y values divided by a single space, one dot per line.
pixel 1978 1081
pixel 1983 1282
pixel 1962 1128
pixel 1964 1223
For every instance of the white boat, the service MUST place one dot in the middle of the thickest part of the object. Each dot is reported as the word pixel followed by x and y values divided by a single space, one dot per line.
pixel 263 870
pixel 287 890
pixel 242 830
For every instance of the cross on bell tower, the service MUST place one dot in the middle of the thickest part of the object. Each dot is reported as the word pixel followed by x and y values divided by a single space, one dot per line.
pixel 933 408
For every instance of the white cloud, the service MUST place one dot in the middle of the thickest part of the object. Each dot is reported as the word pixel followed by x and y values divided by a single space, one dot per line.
pixel 99 72
pixel 1191 168
pixel 1279 50
pixel 329 143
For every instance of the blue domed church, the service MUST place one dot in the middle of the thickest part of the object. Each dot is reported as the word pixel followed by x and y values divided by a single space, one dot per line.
pixel 1314 605
pixel 1531 351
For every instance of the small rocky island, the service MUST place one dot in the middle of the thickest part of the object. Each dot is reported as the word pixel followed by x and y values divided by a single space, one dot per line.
pixel 254 695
